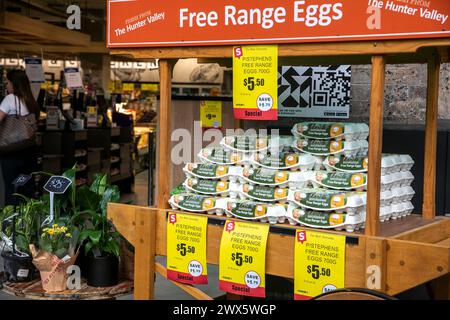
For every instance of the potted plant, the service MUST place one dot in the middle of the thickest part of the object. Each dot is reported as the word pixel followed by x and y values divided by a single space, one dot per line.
pixel 58 249
pixel 101 241
pixel 20 228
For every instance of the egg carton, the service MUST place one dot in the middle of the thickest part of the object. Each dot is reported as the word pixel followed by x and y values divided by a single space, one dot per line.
pixel 255 143
pixel 331 147
pixel 323 220
pixel 262 193
pixel 331 130
pixel 219 156
pixel 198 203
pixel 355 164
pixel 274 178
pixel 211 171
pixel 396 211
pixel 396 180
pixel 339 180
pixel 391 163
pixel 254 211
pixel 386 198
pixel 283 161
pixel 402 194
pixel 323 200
pixel 210 187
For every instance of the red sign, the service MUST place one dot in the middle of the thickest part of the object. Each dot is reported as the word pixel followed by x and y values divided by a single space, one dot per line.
pixel 158 23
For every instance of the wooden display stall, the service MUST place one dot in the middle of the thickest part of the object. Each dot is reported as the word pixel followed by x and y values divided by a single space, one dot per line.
pixel 390 257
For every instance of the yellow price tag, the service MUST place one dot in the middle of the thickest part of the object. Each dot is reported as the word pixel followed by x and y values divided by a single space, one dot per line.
pixel 149 87
pixel 128 86
pixel 186 248
pixel 242 263
pixel 211 114
pixel 319 263
pixel 255 82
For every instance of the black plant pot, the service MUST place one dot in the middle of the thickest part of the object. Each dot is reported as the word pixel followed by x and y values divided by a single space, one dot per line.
pixel 102 271
pixel 81 262
pixel 17 268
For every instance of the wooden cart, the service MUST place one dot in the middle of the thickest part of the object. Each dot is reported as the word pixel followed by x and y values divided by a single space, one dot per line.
pixel 390 257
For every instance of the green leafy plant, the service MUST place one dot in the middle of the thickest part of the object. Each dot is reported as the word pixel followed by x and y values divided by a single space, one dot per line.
pixel 98 234
pixel 30 213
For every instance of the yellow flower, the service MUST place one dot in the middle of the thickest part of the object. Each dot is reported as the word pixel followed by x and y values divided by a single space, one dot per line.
pixel 51 232
pixel 55 226
pixel 68 235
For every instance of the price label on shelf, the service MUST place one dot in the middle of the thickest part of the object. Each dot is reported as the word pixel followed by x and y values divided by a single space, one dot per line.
pixel 255 82
pixel 186 248
pixel 149 87
pixel 319 263
pixel 211 114
pixel 242 264
pixel 128 87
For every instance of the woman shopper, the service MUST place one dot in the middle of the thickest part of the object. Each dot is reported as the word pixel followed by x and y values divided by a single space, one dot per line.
pixel 19 100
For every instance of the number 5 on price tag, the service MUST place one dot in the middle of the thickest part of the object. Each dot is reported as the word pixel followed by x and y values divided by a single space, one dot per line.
pixel 319 263
pixel 186 248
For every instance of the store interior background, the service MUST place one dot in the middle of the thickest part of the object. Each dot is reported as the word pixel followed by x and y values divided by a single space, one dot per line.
pixel 121 82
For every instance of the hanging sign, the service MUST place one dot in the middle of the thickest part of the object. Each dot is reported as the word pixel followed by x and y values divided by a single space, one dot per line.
pixel 255 82
pixel 73 78
pixel 242 264
pixel 319 263
pixel 34 70
pixel 21 180
pixel 186 248
pixel 211 114
pixel 139 23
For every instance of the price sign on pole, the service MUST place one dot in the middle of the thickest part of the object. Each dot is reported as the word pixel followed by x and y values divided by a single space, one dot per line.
pixel 242 264
pixel 319 263
pixel 255 82
pixel 186 248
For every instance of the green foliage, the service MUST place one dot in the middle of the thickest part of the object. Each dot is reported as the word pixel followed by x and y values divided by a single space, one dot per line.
pixel 99 234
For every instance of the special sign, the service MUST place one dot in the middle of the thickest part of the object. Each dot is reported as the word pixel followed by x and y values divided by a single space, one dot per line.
pixel 242 264
pixel 137 23
pixel 319 263
pixel 186 248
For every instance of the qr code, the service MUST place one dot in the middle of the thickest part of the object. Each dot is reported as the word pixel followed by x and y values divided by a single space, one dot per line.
pixel 309 87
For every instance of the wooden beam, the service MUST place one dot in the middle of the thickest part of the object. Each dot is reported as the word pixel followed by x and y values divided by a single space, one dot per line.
pixel 279 248
pixel 410 264
pixel 124 219
pixel 429 183
pixel 42 30
pixel 356 48
pixel 376 264
pixel 164 131
pixel 192 291
pixel 375 146
pixel 93 47
pixel 144 259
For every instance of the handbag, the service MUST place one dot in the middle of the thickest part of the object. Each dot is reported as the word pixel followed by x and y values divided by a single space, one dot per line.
pixel 17 132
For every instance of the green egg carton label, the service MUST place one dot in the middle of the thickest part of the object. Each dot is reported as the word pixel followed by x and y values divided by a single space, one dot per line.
pixel 322 147
pixel 319 219
pixel 322 130
pixel 351 164
pixel 264 177
pixel 209 171
pixel 210 186
pixel 321 200
pixel 342 180
pixel 195 203
pixel 265 193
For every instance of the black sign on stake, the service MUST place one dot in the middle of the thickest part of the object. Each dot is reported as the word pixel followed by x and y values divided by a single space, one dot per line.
pixel 21 180
pixel 57 184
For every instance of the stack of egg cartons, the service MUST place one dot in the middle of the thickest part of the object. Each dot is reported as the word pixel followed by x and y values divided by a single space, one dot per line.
pixel 337 199
pixel 396 190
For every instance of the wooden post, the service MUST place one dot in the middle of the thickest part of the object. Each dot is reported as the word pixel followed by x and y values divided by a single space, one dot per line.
pixel 164 150
pixel 429 184
pixel 375 145
pixel 144 259
pixel 376 266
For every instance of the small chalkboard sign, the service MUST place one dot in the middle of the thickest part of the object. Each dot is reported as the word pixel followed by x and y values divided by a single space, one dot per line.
pixel 21 180
pixel 57 184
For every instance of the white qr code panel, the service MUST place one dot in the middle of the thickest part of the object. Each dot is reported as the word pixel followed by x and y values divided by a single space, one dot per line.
pixel 314 92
